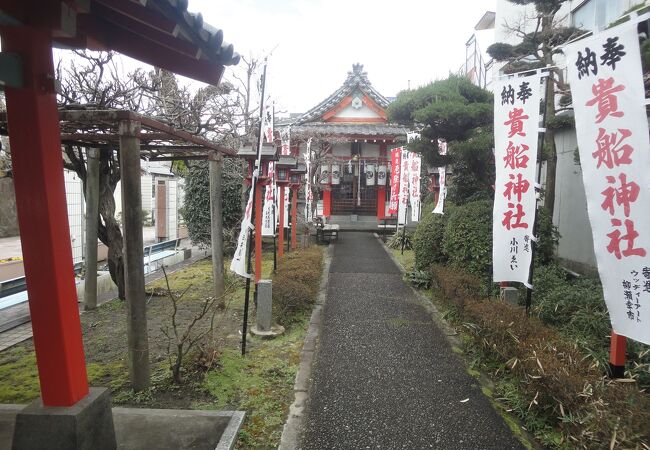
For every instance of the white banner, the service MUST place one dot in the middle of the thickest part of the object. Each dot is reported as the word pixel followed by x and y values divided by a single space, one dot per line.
pixel 336 174
pixel 268 212
pixel 238 263
pixel 267 123
pixel 516 135
pixel 286 207
pixel 381 175
pixel 404 187
pixel 415 167
pixel 442 147
pixel 309 197
pixel 442 191
pixel 370 174
pixel 608 97
pixel 285 139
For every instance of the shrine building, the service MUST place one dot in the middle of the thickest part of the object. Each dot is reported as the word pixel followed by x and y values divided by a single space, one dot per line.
pixel 351 139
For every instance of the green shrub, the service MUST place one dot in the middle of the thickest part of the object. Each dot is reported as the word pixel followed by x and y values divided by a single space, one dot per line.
pixel 467 239
pixel 548 238
pixel 427 239
pixel 295 284
pixel 421 279
pixel 400 237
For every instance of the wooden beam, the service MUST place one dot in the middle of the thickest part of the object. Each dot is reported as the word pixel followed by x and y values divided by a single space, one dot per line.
pixel 141 14
pixel 124 22
pixel 131 44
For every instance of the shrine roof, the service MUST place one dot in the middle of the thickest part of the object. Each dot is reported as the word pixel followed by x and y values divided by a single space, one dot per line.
pixel 349 129
pixel 357 80
pixel 158 32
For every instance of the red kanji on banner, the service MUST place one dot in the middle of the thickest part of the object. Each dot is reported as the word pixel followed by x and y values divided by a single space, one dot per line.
pixel 604 91
pixel 611 150
pixel 616 237
pixel 515 157
pixel 624 196
pixel 517 187
pixel 516 122
pixel 517 215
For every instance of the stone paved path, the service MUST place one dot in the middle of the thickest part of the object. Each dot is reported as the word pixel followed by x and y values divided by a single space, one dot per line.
pixel 384 375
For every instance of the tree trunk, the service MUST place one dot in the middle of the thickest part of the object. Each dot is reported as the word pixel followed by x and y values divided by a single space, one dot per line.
pixel 109 231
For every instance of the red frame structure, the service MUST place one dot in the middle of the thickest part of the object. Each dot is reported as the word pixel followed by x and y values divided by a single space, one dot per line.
pixel 158 32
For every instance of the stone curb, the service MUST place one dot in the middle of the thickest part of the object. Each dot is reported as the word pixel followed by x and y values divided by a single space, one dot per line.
pixel 292 431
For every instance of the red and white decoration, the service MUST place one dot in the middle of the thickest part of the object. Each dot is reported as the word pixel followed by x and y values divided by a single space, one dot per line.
pixel 268 212
pixel 238 263
pixel 608 97
pixel 516 135
pixel 395 171
pixel 415 167
pixel 404 187
pixel 267 125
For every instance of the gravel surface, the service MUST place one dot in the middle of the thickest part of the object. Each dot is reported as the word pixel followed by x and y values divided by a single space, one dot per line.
pixel 385 376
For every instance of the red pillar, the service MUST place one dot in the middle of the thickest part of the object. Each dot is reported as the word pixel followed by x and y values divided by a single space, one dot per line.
pixel 381 202
pixel 281 227
pixel 42 215
pixel 258 232
pixel 294 218
pixel 617 350
pixel 327 202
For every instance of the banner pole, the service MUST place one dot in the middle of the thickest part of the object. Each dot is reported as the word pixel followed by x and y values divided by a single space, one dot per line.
pixel 535 243
pixel 249 250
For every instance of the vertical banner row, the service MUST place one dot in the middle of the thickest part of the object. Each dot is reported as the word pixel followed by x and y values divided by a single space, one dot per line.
pixel 611 123
pixel 516 135
pixel 395 170
pixel 404 187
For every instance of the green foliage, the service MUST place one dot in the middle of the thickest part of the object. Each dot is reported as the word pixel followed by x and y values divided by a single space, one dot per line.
pixel 474 169
pixel 196 210
pixel 421 279
pixel 462 113
pixel 400 237
pixel 548 236
pixel 560 122
pixel 467 240
pixel 427 238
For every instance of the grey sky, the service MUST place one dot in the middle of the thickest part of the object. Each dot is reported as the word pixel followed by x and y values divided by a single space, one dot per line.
pixel 319 40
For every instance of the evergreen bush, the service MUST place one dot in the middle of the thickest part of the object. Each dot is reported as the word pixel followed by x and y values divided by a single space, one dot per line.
pixel 427 239
pixel 467 240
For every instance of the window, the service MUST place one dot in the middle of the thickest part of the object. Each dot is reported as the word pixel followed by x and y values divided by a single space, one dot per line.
pixel 594 15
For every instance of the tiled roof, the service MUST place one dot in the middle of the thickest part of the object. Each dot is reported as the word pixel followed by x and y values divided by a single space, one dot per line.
pixel 357 80
pixel 360 129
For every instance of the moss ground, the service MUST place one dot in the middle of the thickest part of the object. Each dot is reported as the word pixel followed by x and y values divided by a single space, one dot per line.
pixel 216 377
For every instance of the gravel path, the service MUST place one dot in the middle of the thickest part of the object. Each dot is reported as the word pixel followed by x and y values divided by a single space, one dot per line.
pixel 385 376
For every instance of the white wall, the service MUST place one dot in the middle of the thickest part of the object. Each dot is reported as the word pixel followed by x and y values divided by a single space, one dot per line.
pixel 369 150
pixel 570 214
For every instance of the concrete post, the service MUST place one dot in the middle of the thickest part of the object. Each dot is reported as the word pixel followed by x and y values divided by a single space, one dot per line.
pixel 138 343
pixel 264 305
pixel 92 218
pixel 216 224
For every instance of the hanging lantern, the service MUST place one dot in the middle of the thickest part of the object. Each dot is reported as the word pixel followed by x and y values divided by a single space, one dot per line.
pixel 324 174
pixel 336 174
pixel 381 176
pixel 370 174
